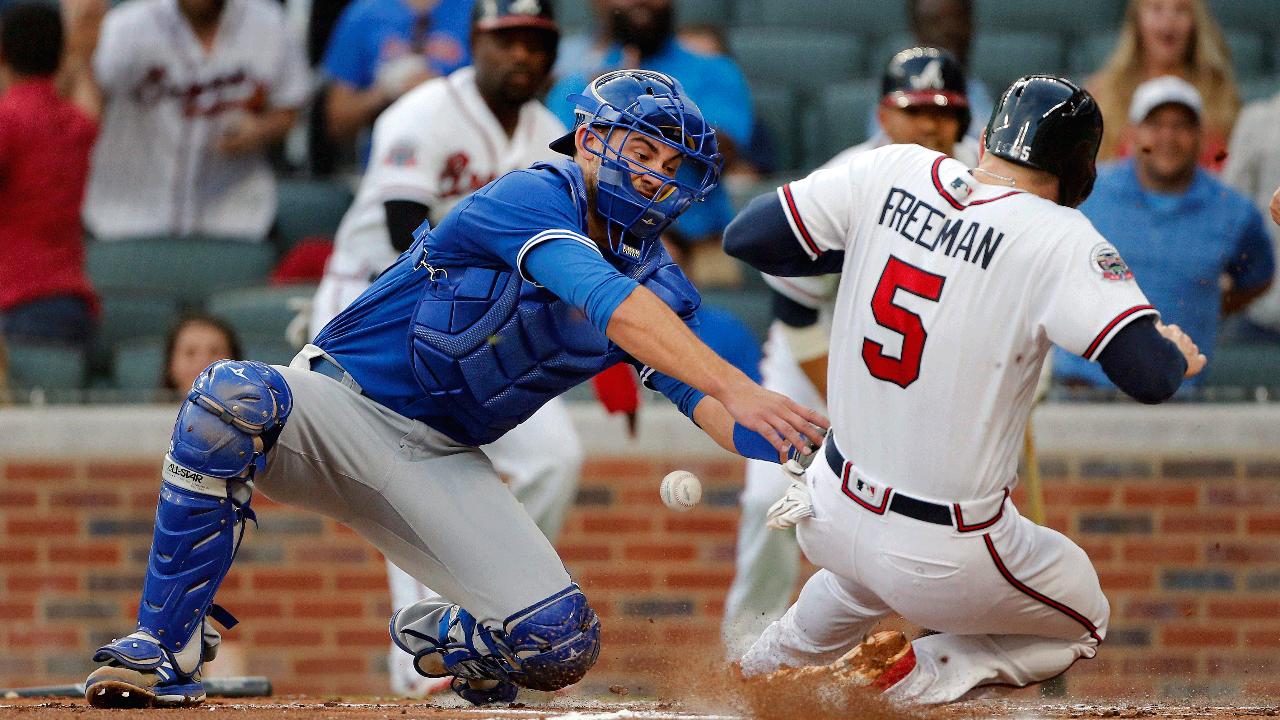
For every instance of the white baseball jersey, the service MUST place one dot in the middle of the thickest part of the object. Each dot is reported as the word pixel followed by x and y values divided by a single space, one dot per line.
pixel 953 292
pixel 156 167
pixel 435 145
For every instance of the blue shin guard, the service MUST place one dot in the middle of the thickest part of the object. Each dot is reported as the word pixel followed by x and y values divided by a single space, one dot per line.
pixel 547 646
pixel 231 417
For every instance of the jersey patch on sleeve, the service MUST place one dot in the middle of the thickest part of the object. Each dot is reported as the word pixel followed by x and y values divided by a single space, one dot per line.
pixel 403 154
pixel 1106 261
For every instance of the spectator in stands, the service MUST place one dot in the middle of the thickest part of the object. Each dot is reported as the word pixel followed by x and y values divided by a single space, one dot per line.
pixel 1198 246
pixel 1253 168
pixel 642 34
pixel 191 345
pixel 196 92
pixel 381 49
pixel 948 24
pixel 45 143
pixel 1168 37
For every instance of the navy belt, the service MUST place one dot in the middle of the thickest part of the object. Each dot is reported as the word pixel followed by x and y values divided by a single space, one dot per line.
pixel 902 504
pixel 331 369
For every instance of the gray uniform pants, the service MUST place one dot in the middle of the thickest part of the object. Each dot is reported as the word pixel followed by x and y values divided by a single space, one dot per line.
pixel 433 507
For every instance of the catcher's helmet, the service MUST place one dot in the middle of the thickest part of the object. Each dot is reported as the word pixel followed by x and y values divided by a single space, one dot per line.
pixel 926 77
pixel 654 105
pixel 489 15
pixel 1049 123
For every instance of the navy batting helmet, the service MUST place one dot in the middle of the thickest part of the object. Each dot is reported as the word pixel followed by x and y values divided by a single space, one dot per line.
pixel 488 15
pixel 655 106
pixel 926 77
pixel 1049 123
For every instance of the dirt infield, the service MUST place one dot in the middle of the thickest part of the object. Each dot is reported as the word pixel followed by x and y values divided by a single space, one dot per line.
pixel 577 709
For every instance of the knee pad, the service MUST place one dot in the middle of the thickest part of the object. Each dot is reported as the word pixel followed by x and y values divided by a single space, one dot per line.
pixel 233 414
pixel 553 643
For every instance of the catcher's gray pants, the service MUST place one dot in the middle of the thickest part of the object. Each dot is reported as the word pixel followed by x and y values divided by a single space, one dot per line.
pixel 435 508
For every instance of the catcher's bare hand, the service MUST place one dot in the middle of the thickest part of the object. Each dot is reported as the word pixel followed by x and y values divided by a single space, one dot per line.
pixel 1195 359
pixel 779 419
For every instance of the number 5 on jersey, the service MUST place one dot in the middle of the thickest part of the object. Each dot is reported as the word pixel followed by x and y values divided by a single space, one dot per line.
pixel 897 275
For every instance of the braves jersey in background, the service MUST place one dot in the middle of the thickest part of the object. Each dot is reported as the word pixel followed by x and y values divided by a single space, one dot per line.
pixel 928 252
pixel 156 167
pixel 436 145
pixel 457 335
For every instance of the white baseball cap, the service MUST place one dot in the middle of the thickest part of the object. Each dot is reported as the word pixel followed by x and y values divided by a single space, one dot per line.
pixel 1160 91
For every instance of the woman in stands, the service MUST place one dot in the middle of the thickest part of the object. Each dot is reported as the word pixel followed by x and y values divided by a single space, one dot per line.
pixel 1168 37
pixel 191 345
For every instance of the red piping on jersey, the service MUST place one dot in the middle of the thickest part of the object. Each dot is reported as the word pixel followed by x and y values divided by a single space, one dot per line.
pixel 1064 609
pixel 1011 193
pixel 1088 353
pixel 795 215
pixel 937 183
pixel 844 487
pixel 955 508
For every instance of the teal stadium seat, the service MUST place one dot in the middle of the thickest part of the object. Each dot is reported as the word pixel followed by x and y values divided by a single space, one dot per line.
pixel 1247 14
pixel 45 366
pixel 778 107
pixel 261 310
pixel 1047 15
pixel 1001 58
pixel 1255 89
pixel 1249 53
pixel 137 365
pixel 861 17
pixel 799 58
pixel 715 13
pixel 189 269
pixel 1244 366
pixel 753 307
pixel 575 16
pixel 884 48
pixel 1087 54
pixel 838 119
pixel 269 349
pixel 310 207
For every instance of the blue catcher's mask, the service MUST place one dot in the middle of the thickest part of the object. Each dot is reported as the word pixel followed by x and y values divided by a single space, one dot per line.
pixel 619 106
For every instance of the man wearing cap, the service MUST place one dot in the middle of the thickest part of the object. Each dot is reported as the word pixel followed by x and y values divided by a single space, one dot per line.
pixel 1200 248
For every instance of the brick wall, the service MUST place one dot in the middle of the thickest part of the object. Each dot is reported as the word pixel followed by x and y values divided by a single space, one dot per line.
pixel 1187 547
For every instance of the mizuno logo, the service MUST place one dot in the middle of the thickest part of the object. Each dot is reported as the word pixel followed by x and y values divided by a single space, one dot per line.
pixel 239 371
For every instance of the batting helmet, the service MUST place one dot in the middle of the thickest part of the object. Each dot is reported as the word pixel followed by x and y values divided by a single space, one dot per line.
pixel 1049 123
pixel 489 15
pixel 655 106
pixel 926 77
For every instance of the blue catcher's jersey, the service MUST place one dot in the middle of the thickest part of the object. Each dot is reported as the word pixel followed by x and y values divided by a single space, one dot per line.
pixel 456 335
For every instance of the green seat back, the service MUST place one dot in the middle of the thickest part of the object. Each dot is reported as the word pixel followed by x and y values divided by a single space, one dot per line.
pixel 839 120
pixel 261 310
pixel 190 268
pixel 799 58
pixel 999 58
pixel 310 207
pixel 45 366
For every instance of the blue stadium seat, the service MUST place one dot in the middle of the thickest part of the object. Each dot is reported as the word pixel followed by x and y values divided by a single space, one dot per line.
pixel 137 364
pixel 838 119
pixel 268 349
pixel 715 13
pixel 884 48
pixel 190 268
pixel 1087 54
pixel 261 310
pixel 799 58
pixel 45 366
pixel 863 17
pixel 576 16
pixel 778 107
pixel 310 207
pixel 1247 14
pixel 1244 366
pixel 1047 15
pixel 127 315
pixel 1249 53
pixel 1255 89
pixel 1001 58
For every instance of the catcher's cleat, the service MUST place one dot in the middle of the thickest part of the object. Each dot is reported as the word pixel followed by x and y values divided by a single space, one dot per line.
pixel 878 662
pixel 114 686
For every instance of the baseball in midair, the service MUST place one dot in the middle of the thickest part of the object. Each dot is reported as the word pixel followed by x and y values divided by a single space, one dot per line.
pixel 681 490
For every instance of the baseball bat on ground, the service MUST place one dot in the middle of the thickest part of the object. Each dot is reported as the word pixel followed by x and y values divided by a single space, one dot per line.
pixel 227 687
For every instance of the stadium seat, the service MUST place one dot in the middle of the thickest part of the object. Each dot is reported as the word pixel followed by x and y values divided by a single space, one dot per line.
pixel 268 349
pixel 752 307
pixel 885 48
pixel 1087 54
pixel 138 363
pixel 1249 50
pixel 778 107
pixel 799 58
pixel 862 17
pixel 838 119
pixel 45 366
pixel 127 315
pixel 1246 14
pixel 1001 58
pixel 1255 89
pixel 1244 366
pixel 576 16
pixel 189 268
pixel 261 311
pixel 715 13
pixel 1047 15
pixel 310 207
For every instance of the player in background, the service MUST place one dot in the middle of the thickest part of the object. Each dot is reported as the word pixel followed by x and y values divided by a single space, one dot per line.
pixel 923 102
pixel 955 285
pixel 533 284
pixel 435 145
